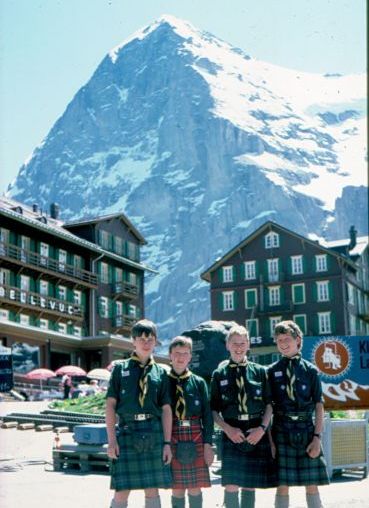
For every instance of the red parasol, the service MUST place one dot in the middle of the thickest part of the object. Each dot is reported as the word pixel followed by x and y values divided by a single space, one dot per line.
pixel 40 374
pixel 70 370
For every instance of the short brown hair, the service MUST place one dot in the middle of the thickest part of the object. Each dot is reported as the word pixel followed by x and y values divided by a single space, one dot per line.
pixel 289 328
pixel 182 341
pixel 238 330
pixel 144 326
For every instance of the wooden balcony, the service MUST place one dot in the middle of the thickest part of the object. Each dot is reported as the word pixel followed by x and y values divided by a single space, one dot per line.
pixel 47 265
pixel 275 309
pixel 125 289
pixel 123 321
pixel 11 297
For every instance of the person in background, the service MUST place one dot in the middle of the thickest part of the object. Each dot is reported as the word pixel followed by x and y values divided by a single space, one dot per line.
pixel 241 404
pixel 192 427
pixel 297 395
pixel 66 382
pixel 138 394
pixel 93 388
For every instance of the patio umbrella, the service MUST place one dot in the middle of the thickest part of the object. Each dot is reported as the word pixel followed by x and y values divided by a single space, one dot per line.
pixel 70 370
pixel 40 374
pixel 99 374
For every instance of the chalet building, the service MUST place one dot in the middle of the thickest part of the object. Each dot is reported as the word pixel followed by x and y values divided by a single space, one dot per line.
pixel 69 292
pixel 276 274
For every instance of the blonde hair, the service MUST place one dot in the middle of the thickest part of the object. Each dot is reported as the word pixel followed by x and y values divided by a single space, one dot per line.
pixel 238 330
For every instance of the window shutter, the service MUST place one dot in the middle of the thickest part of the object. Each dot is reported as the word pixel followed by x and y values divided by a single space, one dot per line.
pixel 280 268
pixel 242 271
pixel 220 301
pixel 315 292
pixel 289 266
pixel 110 273
pixel 330 290
pixel 282 295
pixel 266 296
pixel 266 274
pixel 333 322
pixel 234 272
pixel 83 300
pixel 50 289
pixel 235 299
pixel 221 274
pixel 257 269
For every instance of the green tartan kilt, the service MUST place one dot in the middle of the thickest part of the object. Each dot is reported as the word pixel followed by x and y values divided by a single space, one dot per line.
pixel 254 469
pixel 294 465
pixel 134 470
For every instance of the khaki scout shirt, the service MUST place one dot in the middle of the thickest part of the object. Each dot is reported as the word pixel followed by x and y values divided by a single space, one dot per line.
pixel 124 387
pixel 224 390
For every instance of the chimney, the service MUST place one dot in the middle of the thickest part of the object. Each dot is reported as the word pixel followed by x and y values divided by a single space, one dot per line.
pixel 54 211
pixel 35 208
pixel 353 233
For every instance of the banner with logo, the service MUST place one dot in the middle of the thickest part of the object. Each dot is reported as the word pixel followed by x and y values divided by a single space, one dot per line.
pixel 343 364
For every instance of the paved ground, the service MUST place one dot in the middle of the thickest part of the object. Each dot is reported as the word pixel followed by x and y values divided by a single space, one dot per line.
pixel 28 481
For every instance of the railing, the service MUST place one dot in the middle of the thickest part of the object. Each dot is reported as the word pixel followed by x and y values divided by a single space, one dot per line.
pixel 33 258
pixel 272 309
pixel 125 289
pixel 36 300
pixel 124 321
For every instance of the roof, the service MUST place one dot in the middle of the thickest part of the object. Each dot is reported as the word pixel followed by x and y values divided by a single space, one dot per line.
pixel 56 227
pixel 102 218
pixel 271 226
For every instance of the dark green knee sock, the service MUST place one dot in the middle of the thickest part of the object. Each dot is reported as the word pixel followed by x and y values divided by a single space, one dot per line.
pixel 231 500
pixel 178 502
pixel 247 498
pixel 195 501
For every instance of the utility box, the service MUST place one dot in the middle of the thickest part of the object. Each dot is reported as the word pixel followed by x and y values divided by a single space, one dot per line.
pixel 91 434
pixel 345 444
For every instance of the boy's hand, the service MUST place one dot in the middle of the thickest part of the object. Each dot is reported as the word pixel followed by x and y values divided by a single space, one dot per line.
pixel 208 454
pixel 254 435
pixel 235 434
pixel 167 454
pixel 113 450
pixel 313 449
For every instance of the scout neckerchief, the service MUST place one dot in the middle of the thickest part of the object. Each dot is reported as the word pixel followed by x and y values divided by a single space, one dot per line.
pixel 180 407
pixel 240 381
pixel 291 376
pixel 142 383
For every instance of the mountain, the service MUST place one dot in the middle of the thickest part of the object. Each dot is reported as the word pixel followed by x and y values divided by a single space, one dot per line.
pixel 199 144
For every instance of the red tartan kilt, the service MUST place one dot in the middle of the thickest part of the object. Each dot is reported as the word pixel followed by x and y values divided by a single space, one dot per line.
pixel 189 476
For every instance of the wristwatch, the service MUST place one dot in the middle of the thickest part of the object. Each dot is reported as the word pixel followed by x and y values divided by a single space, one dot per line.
pixel 317 434
pixel 264 427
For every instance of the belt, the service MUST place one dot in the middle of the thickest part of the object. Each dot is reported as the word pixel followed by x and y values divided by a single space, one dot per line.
pixel 295 416
pixel 246 417
pixel 140 417
pixel 186 422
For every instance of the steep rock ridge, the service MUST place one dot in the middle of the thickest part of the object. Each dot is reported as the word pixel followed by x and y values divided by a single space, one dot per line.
pixel 199 144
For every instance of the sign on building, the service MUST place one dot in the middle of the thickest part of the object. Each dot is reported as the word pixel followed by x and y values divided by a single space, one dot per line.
pixel 6 369
pixel 343 364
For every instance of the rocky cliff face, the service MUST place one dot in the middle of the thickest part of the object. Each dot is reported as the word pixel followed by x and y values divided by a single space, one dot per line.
pixel 199 145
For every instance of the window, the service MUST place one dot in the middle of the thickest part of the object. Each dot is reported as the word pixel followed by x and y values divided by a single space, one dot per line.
pixel 271 240
pixel 24 319
pixel 350 294
pixel 104 307
pixel 25 246
pixel 104 272
pixel 321 263
pixel 118 308
pixel 132 251
pixel 296 265
pixel 274 294
pixel 360 301
pixel 118 275
pixel 24 282
pixel 298 293
pixel 77 331
pixel 77 261
pixel 132 310
pixel 251 298
pixel 62 293
pixel 322 290
pixel 119 245
pixel 4 276
pixel 352 324
pixel 4 315
pixel 62 327
pixel 77 297
pixel 44 287
pixel 4 239
pixel 62 259
pixel 227 272
pixel 324 320
pixel 44 324
pixel 228 300
pixel 272 322
pixel 132 278
pixel 250 270
pixel 300 320
pixel 104 239
pixel 273 269
pixel 252 325
pixel 44 251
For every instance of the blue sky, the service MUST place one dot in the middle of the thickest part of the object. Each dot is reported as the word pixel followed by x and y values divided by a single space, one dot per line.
pixel 50 48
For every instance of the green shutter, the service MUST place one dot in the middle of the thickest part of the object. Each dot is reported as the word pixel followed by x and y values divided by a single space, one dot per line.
pixel 330 290
pixel 266 296
pixel 110 273
pixel 50 289
pixel 235 300
pixel 304 267
pixel 280 269
pixel 242 271
pixel 333 322
pixel 234 271
pixel 315 293
pixel 282 295
pixel 300 321
pixel 220 274
pixel 298 294
pixel 250 299
pixel 252 328
pixel 266 275
pixel 289 266
pixel 257 269
pixel 220 301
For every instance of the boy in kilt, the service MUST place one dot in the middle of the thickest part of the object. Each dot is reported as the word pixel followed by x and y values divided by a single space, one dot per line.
pixel 192 427
pixel 297 394
pixel 241 404
pixel 138 394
